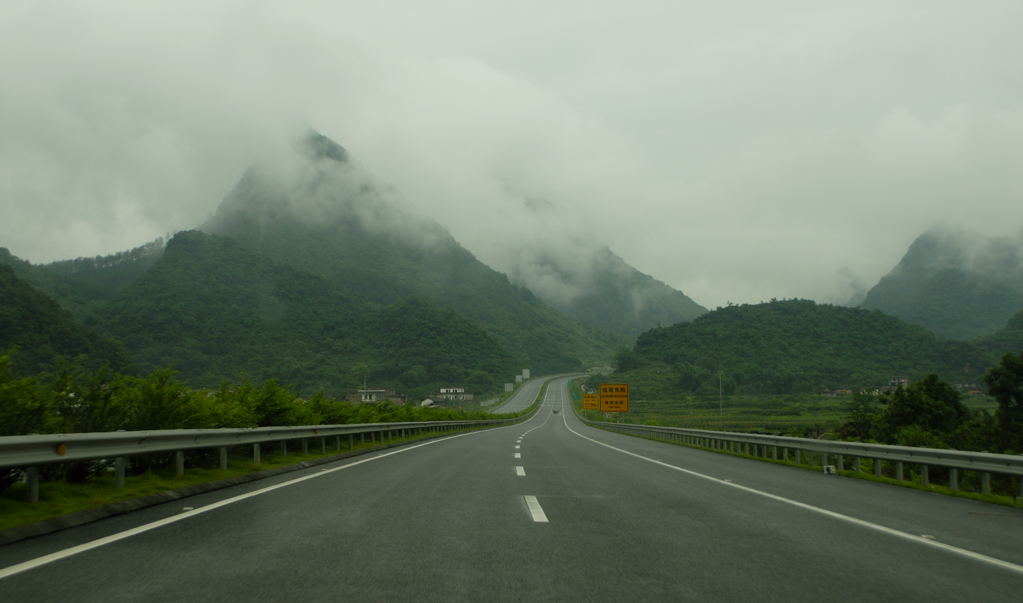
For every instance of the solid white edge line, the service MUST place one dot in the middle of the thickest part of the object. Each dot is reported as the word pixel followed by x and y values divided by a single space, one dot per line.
pixel 93 544
pixel 520 471
pixel 535 509
pixel 1008 565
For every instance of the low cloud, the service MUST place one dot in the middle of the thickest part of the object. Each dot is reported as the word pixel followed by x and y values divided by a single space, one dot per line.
pixel 737 152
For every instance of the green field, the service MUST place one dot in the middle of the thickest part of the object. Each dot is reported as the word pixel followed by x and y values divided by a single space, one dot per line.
pixel 805 415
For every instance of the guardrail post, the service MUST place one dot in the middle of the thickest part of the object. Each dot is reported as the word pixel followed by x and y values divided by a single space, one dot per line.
pixel 32 484
pixel 774 452
pixel 856 464
pixel 323 445
pixel 284 448
pixel 255 454
pixel 796 453
pixel 898 471
pixel 925 477
pixel 877 467
pixel 351 442
pixel 223 457
pixel 337 442
pixel 841 462
pixel 179 463
pixel 362 437
pixel 953 479
pixel 119 472
pixel 985 483
pixel 305 446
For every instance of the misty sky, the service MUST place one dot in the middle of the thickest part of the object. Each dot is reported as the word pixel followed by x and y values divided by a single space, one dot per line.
pixel 737 150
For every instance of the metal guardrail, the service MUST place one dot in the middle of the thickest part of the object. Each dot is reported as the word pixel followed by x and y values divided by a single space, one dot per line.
pixel 788 448
pixel 32 451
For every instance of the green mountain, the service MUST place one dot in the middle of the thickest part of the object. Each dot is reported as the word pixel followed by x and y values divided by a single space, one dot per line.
pixel 43 332
pixel 598 288
pixel 319 212
pixel 310 273
pixel 957 284
pixel 216 311
pixel 1007 340
pixel 789 346
pixel 83 285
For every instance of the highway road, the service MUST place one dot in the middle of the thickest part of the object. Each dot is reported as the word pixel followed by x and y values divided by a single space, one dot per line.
pixel 523 396
pixel 546 510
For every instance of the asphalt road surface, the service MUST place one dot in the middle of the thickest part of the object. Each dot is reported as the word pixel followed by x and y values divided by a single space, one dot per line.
pixel 545 510
pixel 522 397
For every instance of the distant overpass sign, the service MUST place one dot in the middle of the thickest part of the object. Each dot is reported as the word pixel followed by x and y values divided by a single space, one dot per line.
pixel 614 397
pixel 591 401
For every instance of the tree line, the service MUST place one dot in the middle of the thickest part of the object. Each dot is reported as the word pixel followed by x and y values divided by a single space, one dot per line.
pixel 72 398
pixel 930 413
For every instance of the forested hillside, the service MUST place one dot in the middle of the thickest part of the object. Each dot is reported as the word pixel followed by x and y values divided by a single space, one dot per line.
pixel 216 311
pixel 959 285
pixel 43 332
pixel 325 215
pixel 310 274
pixel 1008 339
pixel 83 285
pixel 790 346
pixel 600 289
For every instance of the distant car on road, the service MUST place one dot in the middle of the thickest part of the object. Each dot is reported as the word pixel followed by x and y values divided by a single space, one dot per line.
pixel 557 410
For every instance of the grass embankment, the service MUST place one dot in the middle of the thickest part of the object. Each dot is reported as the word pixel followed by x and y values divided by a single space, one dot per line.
pixel 911 479
pixel 785 414
pixel 797 415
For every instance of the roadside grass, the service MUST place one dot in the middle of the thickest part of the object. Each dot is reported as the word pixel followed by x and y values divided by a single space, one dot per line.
pixel 865 474
pixel 809 415
pixel 806 415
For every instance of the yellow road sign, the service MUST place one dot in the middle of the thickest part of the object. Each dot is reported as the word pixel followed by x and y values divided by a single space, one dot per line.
pixel 614 397
pixel 591 401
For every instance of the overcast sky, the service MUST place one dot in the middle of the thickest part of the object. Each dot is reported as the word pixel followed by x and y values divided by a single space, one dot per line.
pixel 736 150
